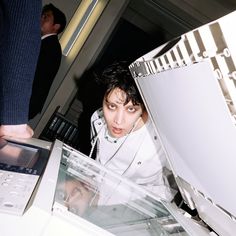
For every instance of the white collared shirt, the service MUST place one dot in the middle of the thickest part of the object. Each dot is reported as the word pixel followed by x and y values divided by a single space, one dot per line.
pixel 47 35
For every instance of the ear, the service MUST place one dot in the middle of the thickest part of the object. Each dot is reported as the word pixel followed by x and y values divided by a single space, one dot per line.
pixel 56 27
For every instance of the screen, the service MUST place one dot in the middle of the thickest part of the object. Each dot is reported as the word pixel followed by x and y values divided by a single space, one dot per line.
pixel 21 157
pixel 14 154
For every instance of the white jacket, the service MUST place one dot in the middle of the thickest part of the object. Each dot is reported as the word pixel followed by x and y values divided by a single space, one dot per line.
pixel 147 162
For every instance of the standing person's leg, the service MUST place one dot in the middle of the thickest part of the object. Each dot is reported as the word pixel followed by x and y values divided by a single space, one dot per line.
pixel 19 49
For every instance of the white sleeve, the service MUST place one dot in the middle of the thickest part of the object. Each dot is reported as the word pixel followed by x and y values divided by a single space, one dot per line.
pixel 95 116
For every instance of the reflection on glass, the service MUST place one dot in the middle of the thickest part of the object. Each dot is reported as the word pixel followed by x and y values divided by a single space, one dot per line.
pixel 103 198
pixel 17 155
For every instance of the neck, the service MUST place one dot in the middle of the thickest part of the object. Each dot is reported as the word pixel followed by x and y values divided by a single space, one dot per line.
pixel 142 120
pixel 109 138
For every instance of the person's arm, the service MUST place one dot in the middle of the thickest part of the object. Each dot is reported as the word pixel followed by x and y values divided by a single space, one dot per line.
pixel 19 49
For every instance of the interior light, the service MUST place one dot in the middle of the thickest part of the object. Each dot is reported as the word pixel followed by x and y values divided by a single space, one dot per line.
pixel 76 25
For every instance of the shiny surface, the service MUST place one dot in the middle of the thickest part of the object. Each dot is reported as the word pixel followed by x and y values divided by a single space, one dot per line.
pixel 109 201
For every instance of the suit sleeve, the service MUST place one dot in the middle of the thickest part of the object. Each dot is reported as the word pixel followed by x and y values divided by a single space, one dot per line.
pixel 19 50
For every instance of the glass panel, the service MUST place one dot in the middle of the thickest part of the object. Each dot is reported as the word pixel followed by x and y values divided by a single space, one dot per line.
pixel 92 192
pixel 17 155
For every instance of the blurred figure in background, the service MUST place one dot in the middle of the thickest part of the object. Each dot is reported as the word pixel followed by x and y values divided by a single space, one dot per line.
pixel 53 22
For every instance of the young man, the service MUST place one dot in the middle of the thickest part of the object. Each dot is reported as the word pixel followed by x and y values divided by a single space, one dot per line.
pixel 124 135
pixel 53 22
pixel 74 194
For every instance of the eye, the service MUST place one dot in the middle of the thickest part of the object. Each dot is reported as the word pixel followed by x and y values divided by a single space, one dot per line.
pixel 131 109
pixel 111 106
pixel 60 195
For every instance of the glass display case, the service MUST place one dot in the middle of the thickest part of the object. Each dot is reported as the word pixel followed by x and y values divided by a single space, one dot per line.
pixel 109 201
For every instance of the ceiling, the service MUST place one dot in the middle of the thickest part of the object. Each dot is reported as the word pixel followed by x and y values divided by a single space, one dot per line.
pixel 175 17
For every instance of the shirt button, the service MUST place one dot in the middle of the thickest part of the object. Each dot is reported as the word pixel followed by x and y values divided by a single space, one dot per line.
pixel 139 163
pixel 155 137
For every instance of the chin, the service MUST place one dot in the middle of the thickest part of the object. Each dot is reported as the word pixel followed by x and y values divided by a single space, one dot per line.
pixel 113 135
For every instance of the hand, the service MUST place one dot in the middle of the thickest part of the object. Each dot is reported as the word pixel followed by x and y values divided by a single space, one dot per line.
pixel 17 131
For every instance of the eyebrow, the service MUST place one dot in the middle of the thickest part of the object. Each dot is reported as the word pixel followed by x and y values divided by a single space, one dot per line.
pixel 125 105
pixel 106 100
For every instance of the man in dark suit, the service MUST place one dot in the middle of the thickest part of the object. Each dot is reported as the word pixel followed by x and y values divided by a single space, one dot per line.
pixel 53 22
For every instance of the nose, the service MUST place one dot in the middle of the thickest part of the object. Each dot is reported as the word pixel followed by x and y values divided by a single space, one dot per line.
pixel 119 117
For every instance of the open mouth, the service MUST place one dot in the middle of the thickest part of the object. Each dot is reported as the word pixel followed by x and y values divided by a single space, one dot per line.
pixel 116 130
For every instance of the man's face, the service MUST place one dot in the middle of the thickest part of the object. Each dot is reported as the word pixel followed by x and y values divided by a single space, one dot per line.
pixel 75 195
pixel 120 118
pixel 47 23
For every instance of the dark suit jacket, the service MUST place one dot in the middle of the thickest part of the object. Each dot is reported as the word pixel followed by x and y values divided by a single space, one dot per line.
pixel 47 67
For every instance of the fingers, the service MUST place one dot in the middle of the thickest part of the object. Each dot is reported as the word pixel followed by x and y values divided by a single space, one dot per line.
pixel 17 131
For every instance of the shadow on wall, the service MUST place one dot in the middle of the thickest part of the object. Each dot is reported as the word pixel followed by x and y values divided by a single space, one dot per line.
pixel 90 94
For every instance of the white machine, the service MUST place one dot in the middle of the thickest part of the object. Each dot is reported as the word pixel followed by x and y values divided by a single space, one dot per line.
pixel 188 86
pixel 77 196
pixel 20 169
pixel 189 89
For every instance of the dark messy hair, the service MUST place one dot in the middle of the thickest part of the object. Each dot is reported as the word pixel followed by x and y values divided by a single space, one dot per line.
pixel 58 15
pixel 118 75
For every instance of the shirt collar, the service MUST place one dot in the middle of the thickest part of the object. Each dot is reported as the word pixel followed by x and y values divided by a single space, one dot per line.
pixel 47 35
